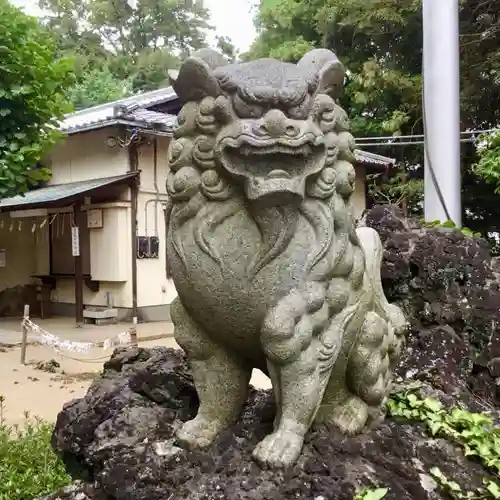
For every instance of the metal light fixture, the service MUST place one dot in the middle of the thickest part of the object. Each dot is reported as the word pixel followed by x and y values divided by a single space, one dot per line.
pixel 111 142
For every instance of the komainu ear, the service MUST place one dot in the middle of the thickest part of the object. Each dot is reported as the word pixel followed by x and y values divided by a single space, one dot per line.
pixel 194 81
pixel 213 58
pixel 325 66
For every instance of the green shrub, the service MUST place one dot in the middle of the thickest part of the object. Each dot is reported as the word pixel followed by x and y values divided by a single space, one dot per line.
pixel 33 89
pixel 28 466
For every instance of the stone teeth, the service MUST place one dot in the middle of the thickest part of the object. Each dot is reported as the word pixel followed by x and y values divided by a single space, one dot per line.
pixel 278 174
pixel 303 150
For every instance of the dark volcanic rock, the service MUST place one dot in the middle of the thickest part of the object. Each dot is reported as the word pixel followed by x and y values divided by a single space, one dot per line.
pixel 77 491
pixel 449 287
pixel 119 438
pixel 140 392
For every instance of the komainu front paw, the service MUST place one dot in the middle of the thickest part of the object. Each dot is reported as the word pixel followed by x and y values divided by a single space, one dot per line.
pixel 279 450
pixel 199 433
pixel 351 416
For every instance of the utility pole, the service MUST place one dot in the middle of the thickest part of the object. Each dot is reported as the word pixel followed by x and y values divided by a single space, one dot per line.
pixel 441 75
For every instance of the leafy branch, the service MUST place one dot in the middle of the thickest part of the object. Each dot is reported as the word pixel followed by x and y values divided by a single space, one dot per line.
pixel 449 224
pixel 32 96
pixel 397 189
pixel 475 432
pixel 488 165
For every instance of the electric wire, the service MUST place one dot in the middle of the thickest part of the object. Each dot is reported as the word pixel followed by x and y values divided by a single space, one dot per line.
pixel 421 136
pixel 406 143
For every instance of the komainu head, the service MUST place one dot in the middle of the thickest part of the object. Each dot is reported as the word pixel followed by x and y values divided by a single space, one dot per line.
pixel 270 129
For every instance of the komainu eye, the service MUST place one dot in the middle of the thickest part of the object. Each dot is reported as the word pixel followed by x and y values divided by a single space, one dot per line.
pixel 301 112
pixel 246 110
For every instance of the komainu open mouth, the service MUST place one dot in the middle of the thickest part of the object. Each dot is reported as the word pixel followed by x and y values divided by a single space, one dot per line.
pixel 273 165
pixel 302 150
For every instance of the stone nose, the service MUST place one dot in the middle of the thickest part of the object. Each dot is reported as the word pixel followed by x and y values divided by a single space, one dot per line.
pixel 276 124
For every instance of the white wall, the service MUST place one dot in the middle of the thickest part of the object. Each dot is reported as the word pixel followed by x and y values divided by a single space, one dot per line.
pixel 153 287
pixel 86 156
pixel 82 157
pixel 110 261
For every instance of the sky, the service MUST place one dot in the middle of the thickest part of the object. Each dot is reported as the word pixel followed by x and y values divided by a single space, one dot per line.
pixel 231 18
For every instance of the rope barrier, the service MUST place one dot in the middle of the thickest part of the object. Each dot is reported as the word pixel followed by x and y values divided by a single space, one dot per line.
pixel 49 339
pixel 80 360
pixel 60 345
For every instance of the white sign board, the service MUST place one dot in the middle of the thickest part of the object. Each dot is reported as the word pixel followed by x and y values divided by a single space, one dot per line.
pixel 75 241
pixel 94 218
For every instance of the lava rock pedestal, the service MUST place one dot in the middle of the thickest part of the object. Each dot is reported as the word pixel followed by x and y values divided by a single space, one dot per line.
pixel 118 443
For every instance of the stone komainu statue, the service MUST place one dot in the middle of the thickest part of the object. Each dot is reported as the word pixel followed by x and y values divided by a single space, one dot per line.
pixel 262 246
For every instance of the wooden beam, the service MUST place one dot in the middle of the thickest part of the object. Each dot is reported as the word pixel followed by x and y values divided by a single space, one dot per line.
pixel 79 220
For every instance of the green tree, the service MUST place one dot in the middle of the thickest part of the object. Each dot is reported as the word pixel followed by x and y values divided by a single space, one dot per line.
pixel 488 164
pixel 149 69
pixel 397 187
pixel 137 43
pixel 32 98
pixel 98 86
pixel 227 48
pixel 380 42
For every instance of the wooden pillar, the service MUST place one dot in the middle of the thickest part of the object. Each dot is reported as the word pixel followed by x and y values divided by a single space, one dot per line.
pixel 79 221
pixel 134 194
pixel 133 334
pixel 133 231
pixel 24 339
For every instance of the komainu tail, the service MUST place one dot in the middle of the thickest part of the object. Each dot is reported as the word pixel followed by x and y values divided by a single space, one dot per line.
pixel 374 252
pixel 379 344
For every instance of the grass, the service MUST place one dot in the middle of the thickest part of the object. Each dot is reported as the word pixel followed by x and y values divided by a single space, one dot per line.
pixel 28 466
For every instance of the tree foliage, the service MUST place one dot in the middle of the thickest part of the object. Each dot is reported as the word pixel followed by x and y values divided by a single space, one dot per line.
pixel 398 187
pixel 227 48
pixel 96 86
pixel 124 47
pixel 32 98
pixel 488 164
pixel 380 42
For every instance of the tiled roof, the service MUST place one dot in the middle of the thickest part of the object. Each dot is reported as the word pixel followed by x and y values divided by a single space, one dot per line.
pixel 58 193
pixel 153 119
pixel 112 113
pixel 373 159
